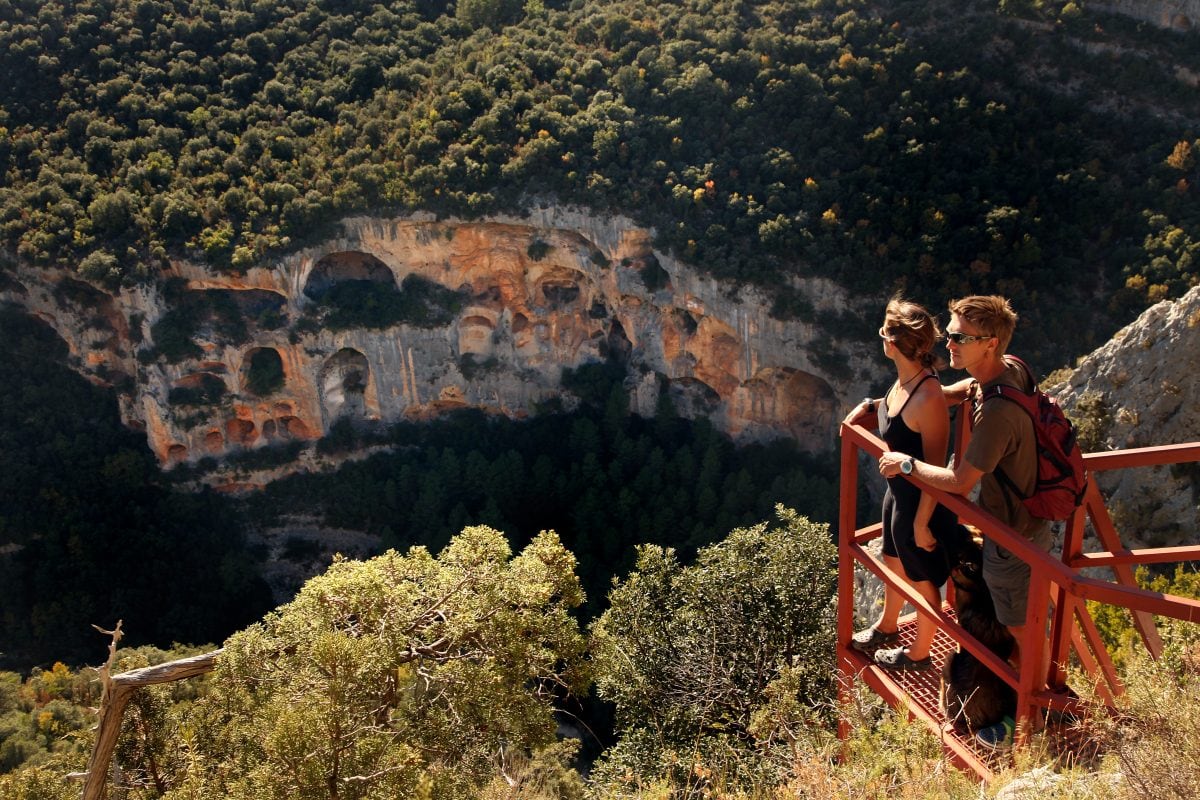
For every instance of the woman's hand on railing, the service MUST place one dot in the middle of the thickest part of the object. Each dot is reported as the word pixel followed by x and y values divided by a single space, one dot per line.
pixel 860 413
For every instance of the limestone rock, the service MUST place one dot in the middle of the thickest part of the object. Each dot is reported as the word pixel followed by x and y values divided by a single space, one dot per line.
pixel 539 294
pixel 1140 389
pixel 1180 15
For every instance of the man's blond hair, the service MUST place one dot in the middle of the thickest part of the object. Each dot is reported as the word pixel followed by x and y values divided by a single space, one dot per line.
pixel 991 314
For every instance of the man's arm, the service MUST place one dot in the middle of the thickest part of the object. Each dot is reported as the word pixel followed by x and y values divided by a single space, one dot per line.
pixel 957 393
pixel 960 479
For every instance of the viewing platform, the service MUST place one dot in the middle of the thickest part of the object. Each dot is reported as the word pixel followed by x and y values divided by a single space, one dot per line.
pixel 1058 594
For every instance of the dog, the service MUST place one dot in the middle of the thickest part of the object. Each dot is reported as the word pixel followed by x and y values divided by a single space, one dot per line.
pixel 973 696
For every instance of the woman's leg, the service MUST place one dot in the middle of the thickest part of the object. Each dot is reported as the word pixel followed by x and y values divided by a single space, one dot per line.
pixel 926 627
pixel 893 602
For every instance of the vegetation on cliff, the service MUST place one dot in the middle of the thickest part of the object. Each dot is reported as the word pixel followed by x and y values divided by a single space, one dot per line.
pixel 939 147
pixel 421 676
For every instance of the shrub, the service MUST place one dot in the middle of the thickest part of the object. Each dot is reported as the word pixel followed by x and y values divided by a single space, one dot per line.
pixel 538 249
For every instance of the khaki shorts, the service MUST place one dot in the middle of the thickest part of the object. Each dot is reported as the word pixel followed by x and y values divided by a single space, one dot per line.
pixel 1007 577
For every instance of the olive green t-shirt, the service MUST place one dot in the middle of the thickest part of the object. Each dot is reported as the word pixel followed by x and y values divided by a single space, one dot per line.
pixel 1003 437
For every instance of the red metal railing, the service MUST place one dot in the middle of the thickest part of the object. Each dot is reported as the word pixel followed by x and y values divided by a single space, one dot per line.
pixel 1057 595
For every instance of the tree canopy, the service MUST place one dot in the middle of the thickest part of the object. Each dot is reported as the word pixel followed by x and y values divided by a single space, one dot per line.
pixel 400 676
pixel 936 147
pixel 691 654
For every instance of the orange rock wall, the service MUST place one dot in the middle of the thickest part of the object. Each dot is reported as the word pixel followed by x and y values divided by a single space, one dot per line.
pixel 523 321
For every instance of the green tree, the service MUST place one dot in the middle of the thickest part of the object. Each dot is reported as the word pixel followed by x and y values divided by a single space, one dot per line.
pixel 489 13
pixel 686 653
pixel 401 676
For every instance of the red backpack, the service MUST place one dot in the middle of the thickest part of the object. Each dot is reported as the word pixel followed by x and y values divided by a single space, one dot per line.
pixel 1061 476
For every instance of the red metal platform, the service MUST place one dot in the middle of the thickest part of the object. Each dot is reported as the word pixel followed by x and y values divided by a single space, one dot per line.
pixel 1057 603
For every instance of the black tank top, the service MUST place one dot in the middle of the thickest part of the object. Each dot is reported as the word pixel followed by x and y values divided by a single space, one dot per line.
pixel 899 436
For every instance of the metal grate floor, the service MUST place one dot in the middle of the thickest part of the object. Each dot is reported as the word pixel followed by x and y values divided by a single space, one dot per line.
pixel 1066 742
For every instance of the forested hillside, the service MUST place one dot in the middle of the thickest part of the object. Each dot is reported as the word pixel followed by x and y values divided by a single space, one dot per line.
pixel 1030 147
pixel 942 147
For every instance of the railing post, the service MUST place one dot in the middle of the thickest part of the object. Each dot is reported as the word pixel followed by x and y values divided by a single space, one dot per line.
pixel 1032 674
pixel 1063 624
pixel 847 519
pixel 1143 621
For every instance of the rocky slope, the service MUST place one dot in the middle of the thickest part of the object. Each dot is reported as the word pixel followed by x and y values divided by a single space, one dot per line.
pixel 535 295
pixel 1180 15
pixel 1143 389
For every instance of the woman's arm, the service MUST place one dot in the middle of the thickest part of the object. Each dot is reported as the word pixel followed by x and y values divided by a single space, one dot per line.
pixel 861 413
pixel 957 393
pixel 932 420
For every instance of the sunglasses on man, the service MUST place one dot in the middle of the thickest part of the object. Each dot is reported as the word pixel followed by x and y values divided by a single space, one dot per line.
pixel 958 337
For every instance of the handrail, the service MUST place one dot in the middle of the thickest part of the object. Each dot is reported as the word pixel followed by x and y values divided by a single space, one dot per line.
pixel 1142 457
pixel 1053 581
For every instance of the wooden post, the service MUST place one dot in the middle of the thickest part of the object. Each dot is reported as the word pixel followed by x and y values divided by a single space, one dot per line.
pixel 118 689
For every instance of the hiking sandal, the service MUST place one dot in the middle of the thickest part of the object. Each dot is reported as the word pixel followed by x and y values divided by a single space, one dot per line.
pixel 897 659
pixel 871 638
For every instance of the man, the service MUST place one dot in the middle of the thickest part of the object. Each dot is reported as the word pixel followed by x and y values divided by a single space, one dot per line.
pixel 1002 439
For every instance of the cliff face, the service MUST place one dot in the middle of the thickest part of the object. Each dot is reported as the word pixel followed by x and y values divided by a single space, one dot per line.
pixel 1180 15
pixel 534 295
pixel 1143 389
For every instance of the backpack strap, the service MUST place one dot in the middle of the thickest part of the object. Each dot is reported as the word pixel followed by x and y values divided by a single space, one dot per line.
pixel 1026 400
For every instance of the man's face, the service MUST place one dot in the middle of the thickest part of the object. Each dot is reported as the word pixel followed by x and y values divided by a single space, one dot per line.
pixel 966 343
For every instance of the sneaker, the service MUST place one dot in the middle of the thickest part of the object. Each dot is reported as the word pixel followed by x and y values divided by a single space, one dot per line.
pixel 998 736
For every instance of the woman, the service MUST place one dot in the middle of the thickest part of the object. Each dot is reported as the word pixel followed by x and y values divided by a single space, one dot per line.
pixel 913 419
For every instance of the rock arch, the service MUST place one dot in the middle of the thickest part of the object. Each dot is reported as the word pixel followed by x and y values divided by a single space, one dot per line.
pixel 346 265
pixel 787 401
pixel 262 371
pixel 475 332
pixel 214 442
pixel 241 431
pixel 558 288
pixel 343 385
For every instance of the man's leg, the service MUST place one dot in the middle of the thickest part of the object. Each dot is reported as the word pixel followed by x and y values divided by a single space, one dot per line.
pixel 1018 631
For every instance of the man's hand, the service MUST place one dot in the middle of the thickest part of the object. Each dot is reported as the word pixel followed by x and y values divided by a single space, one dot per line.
pixel 889 463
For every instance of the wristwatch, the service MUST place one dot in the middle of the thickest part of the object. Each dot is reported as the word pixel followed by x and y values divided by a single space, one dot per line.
pixel 906 466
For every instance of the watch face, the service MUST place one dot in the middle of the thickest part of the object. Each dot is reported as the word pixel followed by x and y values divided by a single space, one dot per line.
pixel 906 467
